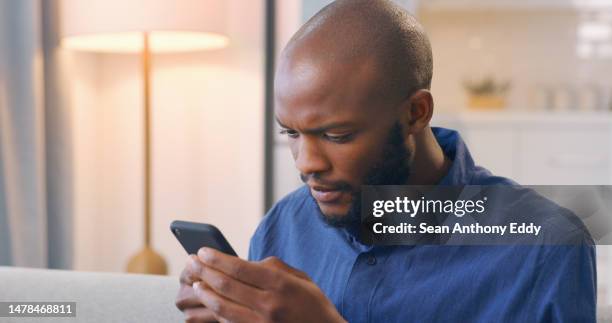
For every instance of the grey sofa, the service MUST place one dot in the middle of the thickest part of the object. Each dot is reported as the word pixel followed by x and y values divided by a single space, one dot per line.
pixel 99 297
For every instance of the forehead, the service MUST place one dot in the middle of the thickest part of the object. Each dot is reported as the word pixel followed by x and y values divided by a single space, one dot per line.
pixel 310 91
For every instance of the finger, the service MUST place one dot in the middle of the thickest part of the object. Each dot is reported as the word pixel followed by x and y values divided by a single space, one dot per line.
pixel 254 274
pixel 190 273
pixel 279 264
pixel 186 298
pixel 199 315
pixel 233 289
pixel 224 308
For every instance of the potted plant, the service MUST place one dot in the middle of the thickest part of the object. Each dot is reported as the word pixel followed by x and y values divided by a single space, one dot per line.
pixel 486 93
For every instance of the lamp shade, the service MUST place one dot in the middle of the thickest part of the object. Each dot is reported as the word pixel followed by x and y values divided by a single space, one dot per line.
pixel 118 25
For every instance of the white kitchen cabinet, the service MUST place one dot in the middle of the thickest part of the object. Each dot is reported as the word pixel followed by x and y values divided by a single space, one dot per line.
pixel 538 148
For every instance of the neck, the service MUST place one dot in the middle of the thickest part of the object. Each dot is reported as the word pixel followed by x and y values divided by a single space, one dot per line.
pixel 430 164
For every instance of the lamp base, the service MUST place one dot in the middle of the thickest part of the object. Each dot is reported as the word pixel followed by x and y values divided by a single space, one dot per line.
pixel 147 261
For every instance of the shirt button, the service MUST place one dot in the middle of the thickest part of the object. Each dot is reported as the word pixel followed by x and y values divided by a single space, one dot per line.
pixel 371 260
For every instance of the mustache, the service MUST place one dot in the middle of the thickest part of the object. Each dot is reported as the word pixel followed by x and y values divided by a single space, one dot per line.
pixel 314 178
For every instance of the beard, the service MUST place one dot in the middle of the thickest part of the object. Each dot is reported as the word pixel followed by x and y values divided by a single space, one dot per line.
pixel 392 168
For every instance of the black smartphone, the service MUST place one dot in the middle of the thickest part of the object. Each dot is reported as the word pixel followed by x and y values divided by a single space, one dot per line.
pixel 194 236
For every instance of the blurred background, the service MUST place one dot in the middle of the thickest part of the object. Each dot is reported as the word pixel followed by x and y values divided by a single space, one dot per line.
pixel 527 83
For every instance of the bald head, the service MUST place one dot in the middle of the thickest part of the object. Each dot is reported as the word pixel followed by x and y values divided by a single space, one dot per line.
pixel 352 35
pixel 351 96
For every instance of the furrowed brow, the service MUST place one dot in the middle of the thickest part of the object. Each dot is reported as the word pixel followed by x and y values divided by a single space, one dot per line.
pixel 280 123
pixel 320 129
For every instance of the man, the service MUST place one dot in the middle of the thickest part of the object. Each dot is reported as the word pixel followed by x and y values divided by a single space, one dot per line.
pixel 352 95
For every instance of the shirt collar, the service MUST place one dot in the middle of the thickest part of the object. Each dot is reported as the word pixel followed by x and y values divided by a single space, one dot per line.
pixel 462 168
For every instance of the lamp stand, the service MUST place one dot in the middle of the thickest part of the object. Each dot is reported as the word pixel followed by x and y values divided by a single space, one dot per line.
pixel 147 260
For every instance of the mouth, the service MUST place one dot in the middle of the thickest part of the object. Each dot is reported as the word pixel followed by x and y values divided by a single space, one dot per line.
pixel 326 194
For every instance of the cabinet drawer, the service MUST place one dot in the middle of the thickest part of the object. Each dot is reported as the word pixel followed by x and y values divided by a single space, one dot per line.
pixel 565 156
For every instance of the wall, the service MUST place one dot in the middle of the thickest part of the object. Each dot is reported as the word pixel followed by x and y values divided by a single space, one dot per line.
pixel 531 48
pixel 207 145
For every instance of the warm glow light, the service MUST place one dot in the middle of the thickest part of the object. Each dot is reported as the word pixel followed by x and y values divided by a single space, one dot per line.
pixel 132 42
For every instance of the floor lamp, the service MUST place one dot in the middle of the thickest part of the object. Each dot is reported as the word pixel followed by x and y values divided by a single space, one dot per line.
pixel 144 27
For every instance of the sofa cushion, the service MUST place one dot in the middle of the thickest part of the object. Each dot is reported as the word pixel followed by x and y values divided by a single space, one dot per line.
pixel 99 297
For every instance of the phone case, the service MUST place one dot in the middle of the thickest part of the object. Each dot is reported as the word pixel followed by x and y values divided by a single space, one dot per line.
pixel 194 236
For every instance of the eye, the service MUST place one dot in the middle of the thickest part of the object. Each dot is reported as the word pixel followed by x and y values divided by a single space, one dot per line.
pixel 339 138
pixel 290 133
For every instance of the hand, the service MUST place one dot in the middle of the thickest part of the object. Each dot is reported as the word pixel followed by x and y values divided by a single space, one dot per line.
pixel 186 300
pixel 236 290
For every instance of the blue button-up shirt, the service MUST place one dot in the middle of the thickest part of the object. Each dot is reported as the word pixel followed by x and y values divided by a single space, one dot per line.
pixel 431 283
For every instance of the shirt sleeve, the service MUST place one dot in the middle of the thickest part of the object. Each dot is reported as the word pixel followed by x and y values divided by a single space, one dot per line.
pixel 255 248
pixel 263 238
pixel 566 288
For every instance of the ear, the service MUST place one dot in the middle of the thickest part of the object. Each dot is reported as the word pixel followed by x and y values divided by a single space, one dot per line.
pixel 417 112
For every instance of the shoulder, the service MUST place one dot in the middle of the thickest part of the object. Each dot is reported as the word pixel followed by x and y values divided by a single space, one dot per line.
pixel 482 176
pixel 524 204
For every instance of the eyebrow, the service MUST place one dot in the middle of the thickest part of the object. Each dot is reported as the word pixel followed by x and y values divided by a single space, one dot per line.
pixel 321 129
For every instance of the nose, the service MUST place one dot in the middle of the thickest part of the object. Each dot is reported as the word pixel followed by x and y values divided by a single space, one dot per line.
pixel 310 158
